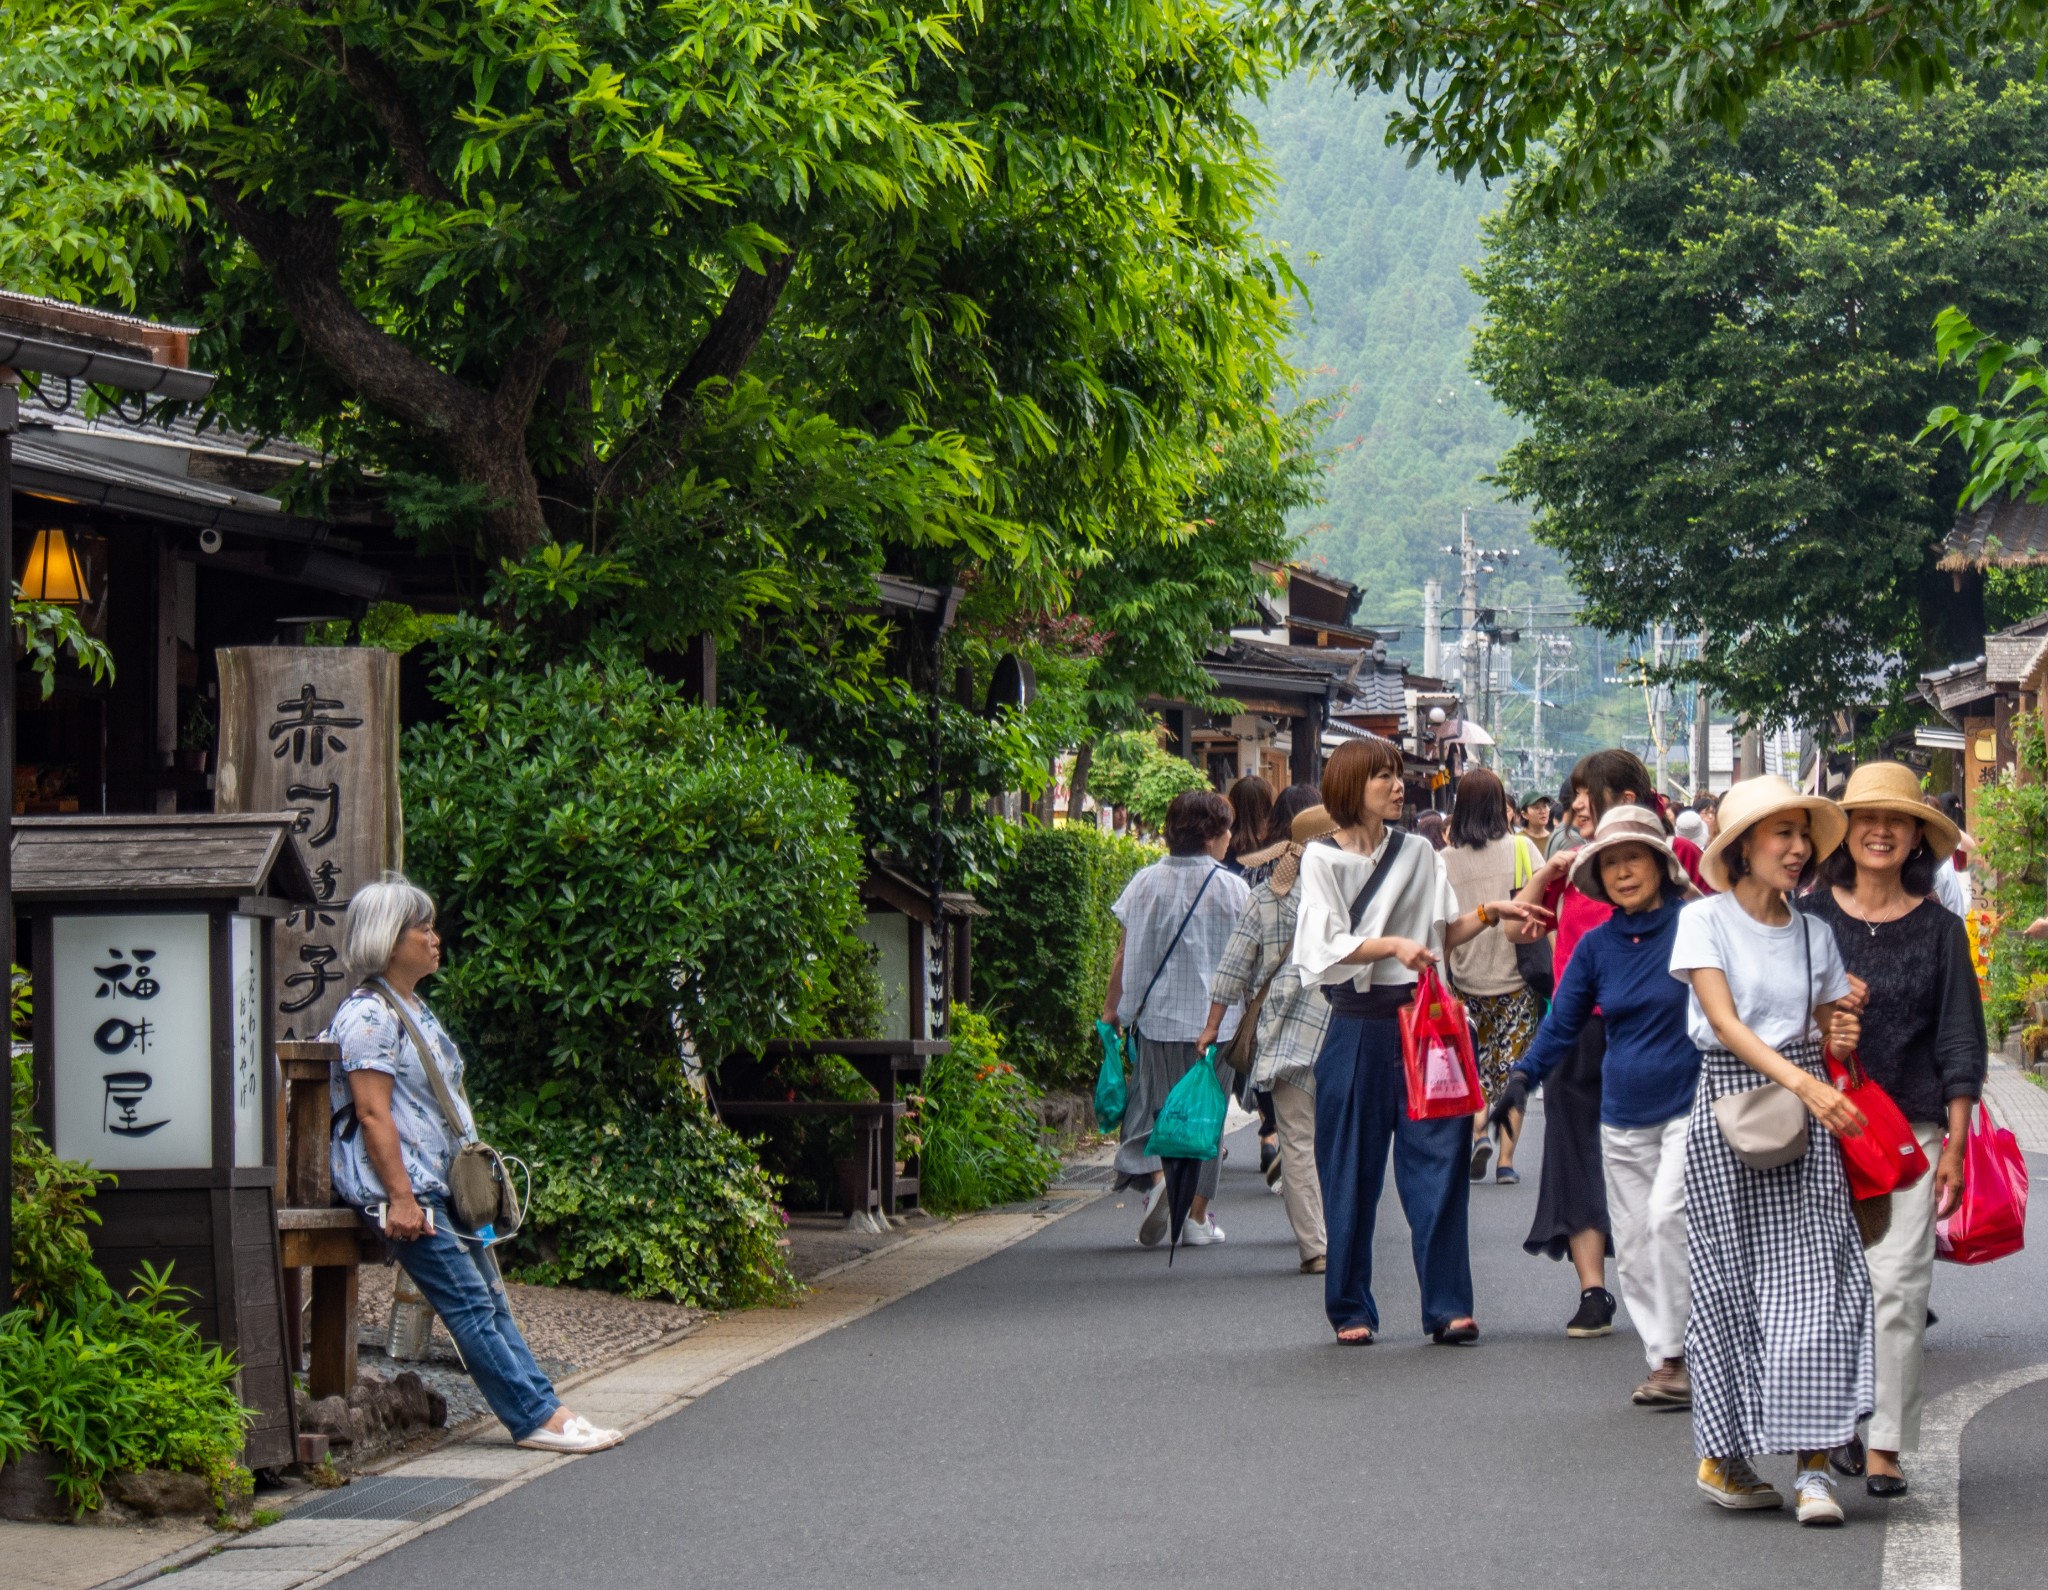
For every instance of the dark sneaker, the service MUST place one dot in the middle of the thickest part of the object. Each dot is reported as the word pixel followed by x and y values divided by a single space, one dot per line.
pixel 1595 1316
pixel 1482 1153
pixel 1269 1158
pixel 1669 1386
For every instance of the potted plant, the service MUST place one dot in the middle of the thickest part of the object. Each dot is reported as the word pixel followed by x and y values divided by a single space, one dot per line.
pixel 195 739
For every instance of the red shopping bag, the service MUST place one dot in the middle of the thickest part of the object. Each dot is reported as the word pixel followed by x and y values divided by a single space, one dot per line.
pixel 1887 1156
pixel 1436 1050
pixel 1991 1221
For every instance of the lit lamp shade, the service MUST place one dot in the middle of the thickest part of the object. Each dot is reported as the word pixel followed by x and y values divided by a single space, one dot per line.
pixel 53 573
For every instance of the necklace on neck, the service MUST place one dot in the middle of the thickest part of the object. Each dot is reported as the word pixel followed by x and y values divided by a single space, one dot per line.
pixel 1874 923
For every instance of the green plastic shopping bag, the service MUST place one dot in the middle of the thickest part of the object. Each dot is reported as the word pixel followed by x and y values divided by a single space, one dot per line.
pixel 1190 1122
pixel 1111 1091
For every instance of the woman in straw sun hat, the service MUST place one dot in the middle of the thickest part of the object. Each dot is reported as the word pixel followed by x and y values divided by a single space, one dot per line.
pixel 1649 1073
pixel 1779 1339
pixel 1923 1042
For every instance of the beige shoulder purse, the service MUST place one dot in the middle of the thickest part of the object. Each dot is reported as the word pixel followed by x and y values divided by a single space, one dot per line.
pixel 480 1191
pixel 1766 1126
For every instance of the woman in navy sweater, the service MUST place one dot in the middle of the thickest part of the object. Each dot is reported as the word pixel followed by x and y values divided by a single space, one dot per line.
pixel 1621 969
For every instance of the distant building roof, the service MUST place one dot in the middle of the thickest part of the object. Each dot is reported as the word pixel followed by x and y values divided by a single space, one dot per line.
pixel 2002 534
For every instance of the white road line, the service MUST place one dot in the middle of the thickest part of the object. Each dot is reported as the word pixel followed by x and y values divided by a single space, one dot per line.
pixel 1923 1540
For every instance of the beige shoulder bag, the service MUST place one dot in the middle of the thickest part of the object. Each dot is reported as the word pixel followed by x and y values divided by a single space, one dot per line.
pixel 480 1191
pixel 1766 1126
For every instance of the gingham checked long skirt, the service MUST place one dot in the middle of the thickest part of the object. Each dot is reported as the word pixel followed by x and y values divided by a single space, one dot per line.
pixel 1779 1342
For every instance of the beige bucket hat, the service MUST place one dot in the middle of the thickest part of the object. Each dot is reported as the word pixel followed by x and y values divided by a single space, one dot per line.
pixel 1891 787
pixel 1625 825
pixel 1750 802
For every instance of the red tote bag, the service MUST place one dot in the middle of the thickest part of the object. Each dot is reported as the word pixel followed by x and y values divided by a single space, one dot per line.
pixel 1991 1221
pixel 1887 1156
pixel 1436 1050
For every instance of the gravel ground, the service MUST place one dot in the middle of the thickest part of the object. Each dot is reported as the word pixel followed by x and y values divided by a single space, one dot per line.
pixel 564 1326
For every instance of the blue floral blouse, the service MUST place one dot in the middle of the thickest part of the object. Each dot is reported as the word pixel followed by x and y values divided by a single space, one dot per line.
pixel 372 1039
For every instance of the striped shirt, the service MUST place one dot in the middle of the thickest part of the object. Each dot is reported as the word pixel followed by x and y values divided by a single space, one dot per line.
pixel 1294 1019
pixel 1152 907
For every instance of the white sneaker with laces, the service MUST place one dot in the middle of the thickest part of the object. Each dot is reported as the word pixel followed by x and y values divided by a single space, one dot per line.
pixel 1201 1234
pixel 1814 1491
pixel 1153 1227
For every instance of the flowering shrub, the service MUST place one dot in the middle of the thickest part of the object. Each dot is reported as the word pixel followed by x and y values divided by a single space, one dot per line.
pixel 978 1124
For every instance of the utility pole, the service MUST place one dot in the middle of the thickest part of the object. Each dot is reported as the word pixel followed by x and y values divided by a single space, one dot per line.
pixel 1702 730
pixel 1433 628
pixel 1657 705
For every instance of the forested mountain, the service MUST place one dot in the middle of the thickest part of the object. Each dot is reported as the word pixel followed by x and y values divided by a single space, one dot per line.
pixel 1382 247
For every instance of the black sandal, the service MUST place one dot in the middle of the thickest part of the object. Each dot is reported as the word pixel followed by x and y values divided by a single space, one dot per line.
pixel 1456 1335
pixel 1356 1341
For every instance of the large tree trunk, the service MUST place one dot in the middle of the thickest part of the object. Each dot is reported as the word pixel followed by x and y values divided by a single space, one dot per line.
pixel 484 432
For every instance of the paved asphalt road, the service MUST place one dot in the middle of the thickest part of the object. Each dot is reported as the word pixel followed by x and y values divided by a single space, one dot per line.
pixel 1071 1412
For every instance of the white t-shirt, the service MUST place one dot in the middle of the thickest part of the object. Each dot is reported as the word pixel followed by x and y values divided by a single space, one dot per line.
pixel 1765 967
pixel 1952 888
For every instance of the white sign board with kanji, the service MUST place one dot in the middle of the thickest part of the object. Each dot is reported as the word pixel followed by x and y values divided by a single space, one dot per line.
pixel 132 1026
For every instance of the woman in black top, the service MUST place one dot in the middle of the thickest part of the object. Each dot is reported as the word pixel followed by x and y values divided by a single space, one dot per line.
pixel 1923 1043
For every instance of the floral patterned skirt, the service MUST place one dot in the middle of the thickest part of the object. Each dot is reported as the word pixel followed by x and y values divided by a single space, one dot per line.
pixel 1502 1026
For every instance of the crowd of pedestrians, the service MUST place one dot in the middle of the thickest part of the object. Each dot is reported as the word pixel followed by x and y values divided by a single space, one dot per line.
pixel 1696 993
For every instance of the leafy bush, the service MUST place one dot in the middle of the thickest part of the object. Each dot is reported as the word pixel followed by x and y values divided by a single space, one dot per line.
pixel 1042 955
pixel 978 1126
pixel 110 1384
pixel 2012 827
pixel 666 1202
pixel 613 862
pixel 105 1383
pixel 1131 771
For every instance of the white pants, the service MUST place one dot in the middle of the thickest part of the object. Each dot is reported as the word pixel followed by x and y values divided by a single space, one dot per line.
pixel 1901 1276
pixel 1646 1211
pixel 1294 1112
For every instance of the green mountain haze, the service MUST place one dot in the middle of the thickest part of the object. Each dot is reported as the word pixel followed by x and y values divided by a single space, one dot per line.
pixel 1382 247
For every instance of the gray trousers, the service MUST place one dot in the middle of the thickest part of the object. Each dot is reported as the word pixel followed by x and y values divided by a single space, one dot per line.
pixel 1159 1067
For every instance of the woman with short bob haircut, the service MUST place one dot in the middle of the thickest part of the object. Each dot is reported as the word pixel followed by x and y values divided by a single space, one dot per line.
pixel 1177 916
pixel 394 1147
pixel 1376 909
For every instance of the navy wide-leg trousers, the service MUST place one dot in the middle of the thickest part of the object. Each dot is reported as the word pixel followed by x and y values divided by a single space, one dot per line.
pixel 1361 1110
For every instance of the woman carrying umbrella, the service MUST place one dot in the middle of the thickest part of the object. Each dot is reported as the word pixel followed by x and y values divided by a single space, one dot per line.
pixel 1923 1043
pixel 1779 1342
pixel 1376 909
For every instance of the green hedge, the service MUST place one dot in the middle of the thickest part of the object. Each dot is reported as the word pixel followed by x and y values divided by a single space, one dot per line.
pixel 977 1126
pixel 1042 956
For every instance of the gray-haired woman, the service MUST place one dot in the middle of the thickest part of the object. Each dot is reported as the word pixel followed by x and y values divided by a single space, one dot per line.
pixel 394 1147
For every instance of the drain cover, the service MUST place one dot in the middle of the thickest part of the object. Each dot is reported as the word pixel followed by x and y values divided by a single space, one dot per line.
pixel 1086 1176
pixel 413 1499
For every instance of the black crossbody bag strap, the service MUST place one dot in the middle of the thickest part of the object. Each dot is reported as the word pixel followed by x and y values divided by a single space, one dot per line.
pixel 1159 970
pixel 1379 876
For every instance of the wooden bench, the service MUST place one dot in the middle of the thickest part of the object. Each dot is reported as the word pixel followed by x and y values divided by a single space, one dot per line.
pixel 313 1231
pixel 885 1064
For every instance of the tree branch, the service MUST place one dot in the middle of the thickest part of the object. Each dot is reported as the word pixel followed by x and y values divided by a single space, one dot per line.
pixel 367 74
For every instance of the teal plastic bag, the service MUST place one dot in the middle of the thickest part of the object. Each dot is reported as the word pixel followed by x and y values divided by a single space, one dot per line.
pixel 1112 1093
pixel 1190 1123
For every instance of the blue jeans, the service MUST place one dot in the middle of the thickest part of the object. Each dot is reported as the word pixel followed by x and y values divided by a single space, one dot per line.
pixel 460 1280
pixel 1361 1108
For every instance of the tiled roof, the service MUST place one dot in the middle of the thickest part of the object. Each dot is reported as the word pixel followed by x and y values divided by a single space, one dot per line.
pixel 2002 534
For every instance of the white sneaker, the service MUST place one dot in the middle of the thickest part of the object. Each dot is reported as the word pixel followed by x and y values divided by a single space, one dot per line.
pixel 1153 1227
pixel 577 1435
pixel 1814 1491
pixel 1199 1234
pixel 1277 1187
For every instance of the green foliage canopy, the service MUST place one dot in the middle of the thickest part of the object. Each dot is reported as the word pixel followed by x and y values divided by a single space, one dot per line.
pixel 1724 366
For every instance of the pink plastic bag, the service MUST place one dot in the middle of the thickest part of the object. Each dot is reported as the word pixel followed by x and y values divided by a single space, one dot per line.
pixel 1991 1221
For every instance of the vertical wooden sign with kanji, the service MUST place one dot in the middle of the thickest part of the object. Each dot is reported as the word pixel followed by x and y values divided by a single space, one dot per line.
pixel 314 729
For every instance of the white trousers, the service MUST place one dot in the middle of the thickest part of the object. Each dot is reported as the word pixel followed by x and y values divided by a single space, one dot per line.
pixel 1646 1211
pixel 1901 1276
pixel 1294 1112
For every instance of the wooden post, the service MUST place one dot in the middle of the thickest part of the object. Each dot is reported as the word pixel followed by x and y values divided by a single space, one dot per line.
pixel 333 1370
